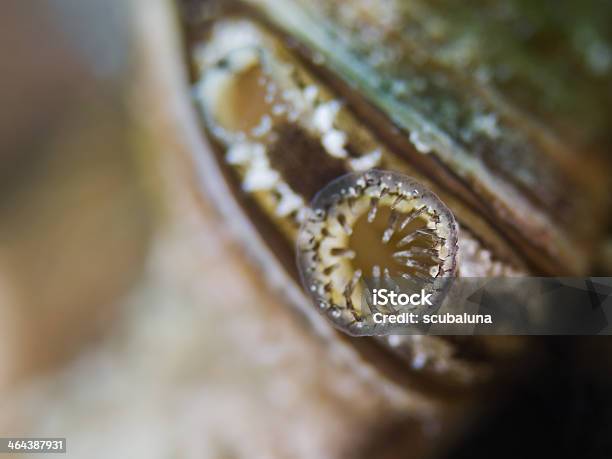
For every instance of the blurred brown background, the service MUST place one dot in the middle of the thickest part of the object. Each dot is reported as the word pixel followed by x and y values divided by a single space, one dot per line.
pixel 117 279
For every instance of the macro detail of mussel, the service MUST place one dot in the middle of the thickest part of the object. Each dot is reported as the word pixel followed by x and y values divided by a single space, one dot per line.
pixel 283 133
pixel 494 151
pixel 208 203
